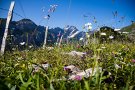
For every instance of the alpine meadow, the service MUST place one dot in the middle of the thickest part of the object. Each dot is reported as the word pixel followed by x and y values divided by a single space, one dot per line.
pixel 67 45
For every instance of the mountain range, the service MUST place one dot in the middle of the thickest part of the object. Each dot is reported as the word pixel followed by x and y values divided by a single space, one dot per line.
pixel 26 30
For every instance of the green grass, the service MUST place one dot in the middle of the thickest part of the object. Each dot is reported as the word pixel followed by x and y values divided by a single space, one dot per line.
pixel 16 71
pixel 129 28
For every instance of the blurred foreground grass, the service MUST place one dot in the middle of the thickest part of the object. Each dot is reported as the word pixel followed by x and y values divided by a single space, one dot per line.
pixel 16 68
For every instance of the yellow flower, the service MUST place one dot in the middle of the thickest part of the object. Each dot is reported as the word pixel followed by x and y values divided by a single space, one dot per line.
pixel 123 46
pixel 23 66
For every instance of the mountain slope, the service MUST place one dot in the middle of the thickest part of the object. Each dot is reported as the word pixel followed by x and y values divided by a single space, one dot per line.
pixel 130 28
pixel 107 34
pixel 131 31
pixel 26 30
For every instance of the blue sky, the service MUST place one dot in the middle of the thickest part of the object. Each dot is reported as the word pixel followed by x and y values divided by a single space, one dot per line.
pixel 100 9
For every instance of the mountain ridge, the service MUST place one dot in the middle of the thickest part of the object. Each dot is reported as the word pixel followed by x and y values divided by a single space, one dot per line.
pixel 25 30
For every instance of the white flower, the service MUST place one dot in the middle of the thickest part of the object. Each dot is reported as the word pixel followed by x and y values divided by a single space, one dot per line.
pixel 45 66
pixel 117 29
pixel 36 68
pixel 30 46
pixel 47 17
pixel 93 71
pixel 87 73
pixel 103 47
pixel 88 26
pixel 53 6
pixel 103 34
pixel 111 37
pixel 72 77
pixel 13 49
pixel 119 32
pixel 125 32
pixel 22 43
pixel 87 35
pixel 75 53
pixel 117 66
pixel 72 68
pixel 81 39
pixel 52 9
